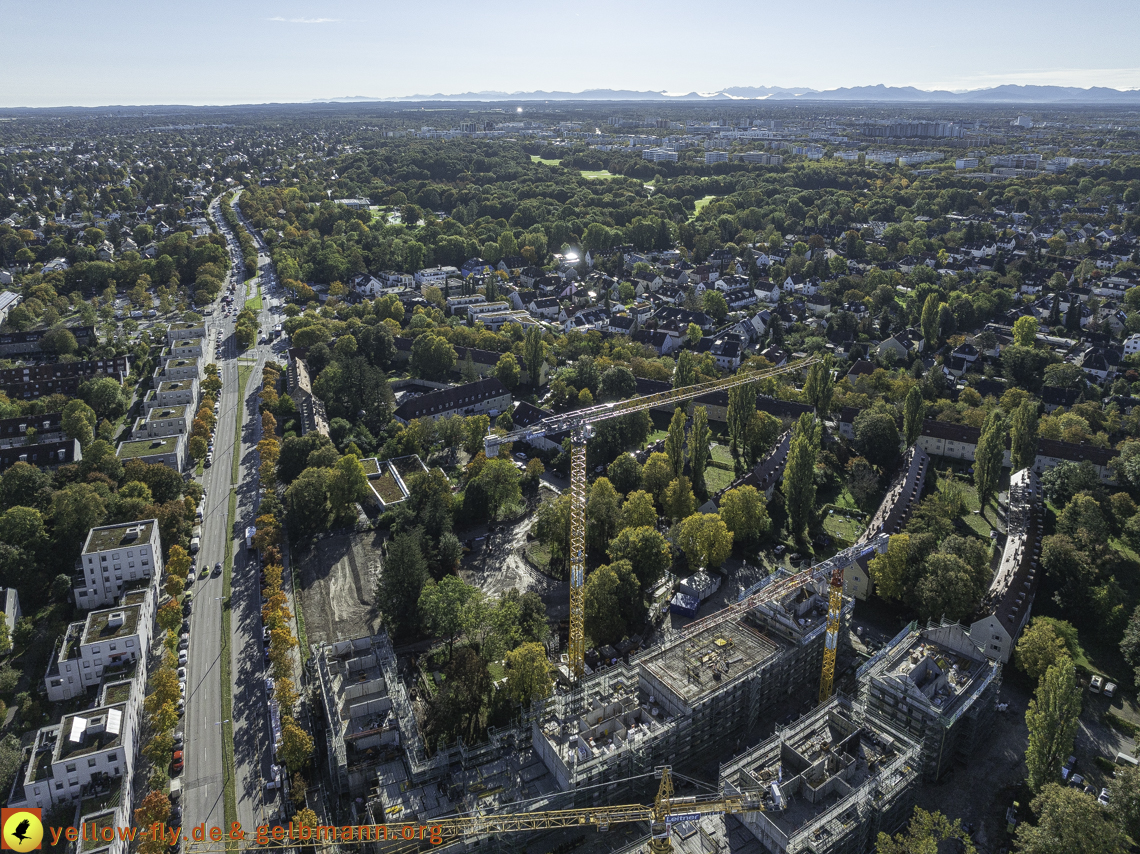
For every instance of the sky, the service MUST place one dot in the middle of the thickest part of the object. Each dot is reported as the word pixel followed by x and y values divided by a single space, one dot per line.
pixel 69 53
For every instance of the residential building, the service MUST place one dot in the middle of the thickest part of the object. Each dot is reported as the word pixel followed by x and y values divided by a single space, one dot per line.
pixel 185 331
pixel 187 348
pixel 179 369
pixel 8 301
pixel 659 154
pixel 487 396
pixel 168 421
pixel 41 454
pixel 435 276
pixel 830 782
pixel 169 451
pixel 1009 601
pixel 117 558
pixel 105 646
pixel 172 393
pixel 27 382
pixel 310 407
pixel 938 687
pixel 459 305
pixel 46 427
pixel 23 343
pixel 716 157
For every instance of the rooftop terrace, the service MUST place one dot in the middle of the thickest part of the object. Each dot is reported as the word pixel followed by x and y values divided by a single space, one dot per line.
pixel 135 448
pixel 119 536
pixel 91 731
pixel 111 624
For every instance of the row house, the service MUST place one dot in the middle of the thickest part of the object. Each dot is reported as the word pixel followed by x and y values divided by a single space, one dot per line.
pixel 41 454
pixel 484 397
pixel 172 393
pixel 165 421
pixel 184 331
pixel 45 427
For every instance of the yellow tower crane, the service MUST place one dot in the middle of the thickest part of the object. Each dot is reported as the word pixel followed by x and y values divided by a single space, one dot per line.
pixel 831 643
pixel 665 811
pixel 580 425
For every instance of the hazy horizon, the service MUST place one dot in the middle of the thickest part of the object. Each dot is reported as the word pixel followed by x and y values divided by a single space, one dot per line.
pixel 294 52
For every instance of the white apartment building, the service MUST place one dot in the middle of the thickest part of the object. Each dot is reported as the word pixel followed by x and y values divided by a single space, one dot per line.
pixel 173 393
pixel 107 644
pixel 435 275
pixel 478 308
pixel 180 369
pixel 186 348
pixel 168 421
pixel 659 154
pixel 117 558
pixel 185 332
pixel 716 157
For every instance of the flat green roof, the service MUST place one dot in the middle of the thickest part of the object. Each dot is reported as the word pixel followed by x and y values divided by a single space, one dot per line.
pixel 167 412
pixel 132 449
pixel 174 385
pixel 114 536
pixel 99 626
pixel 89 742
pixel 186 324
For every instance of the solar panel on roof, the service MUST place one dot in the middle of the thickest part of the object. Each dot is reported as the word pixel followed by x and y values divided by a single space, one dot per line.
pixel 78 727
pixel 114 721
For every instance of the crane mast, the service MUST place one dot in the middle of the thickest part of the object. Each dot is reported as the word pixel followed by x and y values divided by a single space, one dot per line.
pixel 580 425
pixel 831 643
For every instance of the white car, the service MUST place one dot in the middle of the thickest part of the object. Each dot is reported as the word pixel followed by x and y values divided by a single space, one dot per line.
pixel 181 674
pixel 182 656
pixel 1110 689
pixel 1096 684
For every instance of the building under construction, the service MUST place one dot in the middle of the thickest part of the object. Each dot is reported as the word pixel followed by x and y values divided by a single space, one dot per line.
pixel 697 693
pixel 831 781
pixel 936 685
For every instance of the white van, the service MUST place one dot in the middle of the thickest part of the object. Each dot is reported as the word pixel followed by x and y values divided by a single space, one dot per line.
pixel 195 544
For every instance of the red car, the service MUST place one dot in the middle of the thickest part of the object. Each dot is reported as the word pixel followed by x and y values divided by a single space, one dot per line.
pixel 176 762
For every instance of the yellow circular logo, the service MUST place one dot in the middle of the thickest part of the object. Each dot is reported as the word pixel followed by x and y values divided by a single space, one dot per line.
pixel 23 831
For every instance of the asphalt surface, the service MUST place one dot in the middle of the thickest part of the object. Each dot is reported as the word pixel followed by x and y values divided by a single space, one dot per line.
pixel 203 778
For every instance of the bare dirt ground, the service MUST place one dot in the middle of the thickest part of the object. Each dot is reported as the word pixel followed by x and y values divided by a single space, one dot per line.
pixel 338 583
pixel 496 564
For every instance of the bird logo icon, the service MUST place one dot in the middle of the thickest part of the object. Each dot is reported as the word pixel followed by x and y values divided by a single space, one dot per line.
pixel 22 830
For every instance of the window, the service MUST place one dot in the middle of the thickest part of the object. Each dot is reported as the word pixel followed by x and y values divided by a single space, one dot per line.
pixel 90 763
pixel 111 757
pixel 70 769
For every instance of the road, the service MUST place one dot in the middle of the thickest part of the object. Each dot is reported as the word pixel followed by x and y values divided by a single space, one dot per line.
pixel 203 779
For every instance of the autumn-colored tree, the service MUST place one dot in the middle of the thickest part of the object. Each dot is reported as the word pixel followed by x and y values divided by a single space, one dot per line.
pixel 296 745
pixel 154 809
pixel 174 586
pixel 178 561
pixel 286 693
pixel 169 616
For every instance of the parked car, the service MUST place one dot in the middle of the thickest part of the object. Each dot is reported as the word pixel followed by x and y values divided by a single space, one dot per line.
pixel 176 763
pixel 1110 689
pixel 182 656
pixel 1103 797
pixel 179 740
pixel 1096 684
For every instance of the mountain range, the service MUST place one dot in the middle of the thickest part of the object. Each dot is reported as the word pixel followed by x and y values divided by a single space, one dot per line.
pixel 1006 94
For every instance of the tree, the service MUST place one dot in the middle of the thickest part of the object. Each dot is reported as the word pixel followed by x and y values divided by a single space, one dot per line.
pixel 105 396
pixel 1083 522
pixel 603 513
pixel 296 746
pixel 675 442
pixel 745 513
pixel 432 357
pixel 685 373
pixel 1039 648
pixel 947 588
pixel 169 616
pixel 819 386
pixel 500 482
pixel 715 305
pixel 552 526
pixel 1052 720
pixel 656 475
pixel 617 383
pixel 78 422
pixel 347 485
pixel 307 499
pixel 534 354
pixel 154 809
pixel 889 570
pixel 638 510
pixel 75 510
pixel 507 370
pixel 1124 799
pixel 1025 331
pixel 1023 435
pixel 914 410
pixel 877 438
pixel 1064 480
pixel 402 577
pixel 929 322
pixel 198 447
pixel 925 835
pixel 624 473
pixel 647 551
pixel 59 341
pixel 741 406
pixel 678 500
pixel 705 540
pixel 1130 642
pixel 528 673
pixel 1068 820
pixel 699 439
pixel 988 457
pixel 443 606
pixel 799 474
pixel 610 594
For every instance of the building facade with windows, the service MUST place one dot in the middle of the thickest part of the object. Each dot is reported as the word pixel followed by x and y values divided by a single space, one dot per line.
pixel 117 558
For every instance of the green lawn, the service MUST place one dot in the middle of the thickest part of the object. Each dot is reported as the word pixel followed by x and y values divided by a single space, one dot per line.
pixel 841 528
pixel 700 203
pixel 599 173
pixel 536 159
pixel 721 454
pixel 717 478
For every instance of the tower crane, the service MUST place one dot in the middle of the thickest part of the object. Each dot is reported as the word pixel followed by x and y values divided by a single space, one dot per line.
pixel 665 811
pixel 831 641
pixel 580 425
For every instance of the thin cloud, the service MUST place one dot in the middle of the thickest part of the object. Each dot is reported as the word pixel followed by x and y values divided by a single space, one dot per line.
pixel 306 20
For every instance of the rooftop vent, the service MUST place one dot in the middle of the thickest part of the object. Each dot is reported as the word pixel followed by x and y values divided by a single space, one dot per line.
pixel 116 619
